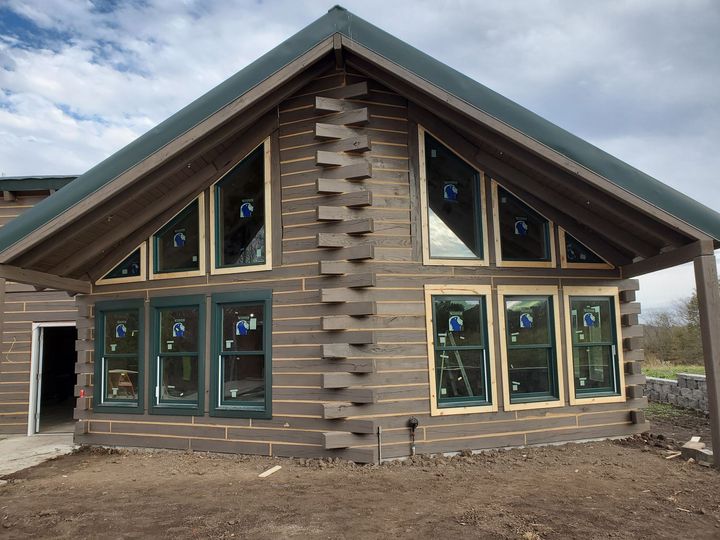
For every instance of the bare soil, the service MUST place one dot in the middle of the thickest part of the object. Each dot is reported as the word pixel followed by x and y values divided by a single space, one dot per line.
pixel 611 489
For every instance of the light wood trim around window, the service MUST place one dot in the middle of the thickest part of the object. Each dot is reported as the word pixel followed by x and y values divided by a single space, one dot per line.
pixel 131 279
pixel 424 209
pixel 460 290
pixel 521 290
pixel 201 246
pixel 498 242
pixel 563 256
pixel 593 291
pixel 268 221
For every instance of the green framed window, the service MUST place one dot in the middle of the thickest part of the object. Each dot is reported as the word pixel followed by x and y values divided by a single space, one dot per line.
pixel 578 253
pixel 119 356
pixel 461 352
pixel 531 355
pixel 240 220
pixel 130 267
pixel 241 369
pixel 176 246
pixel 596 369
pixel 524 235
pixel 453 200
pixel 178 343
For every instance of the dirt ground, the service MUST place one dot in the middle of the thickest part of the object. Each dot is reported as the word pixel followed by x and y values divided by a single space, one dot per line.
pixel 610 489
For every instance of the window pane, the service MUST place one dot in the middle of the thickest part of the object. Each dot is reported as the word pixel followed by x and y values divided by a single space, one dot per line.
pixel 243 379
pixel 121 332
pixel 452 190
pixel 592 320
pixel 460 374
pixel 121 378
pixel 528 320
pixel 179 378
pixel 130 267
pixel 177 244
pixel 524 234
pixel 594 368
pixel 242 327
pixel 576 252
pixel 531 372
pixel 459 321
pixel 241 213
pixel 179 330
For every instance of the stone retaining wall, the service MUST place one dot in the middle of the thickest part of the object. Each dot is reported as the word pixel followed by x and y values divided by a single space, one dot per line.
pixel 689 391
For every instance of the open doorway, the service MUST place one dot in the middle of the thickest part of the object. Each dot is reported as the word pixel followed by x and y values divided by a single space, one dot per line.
pixel 53 378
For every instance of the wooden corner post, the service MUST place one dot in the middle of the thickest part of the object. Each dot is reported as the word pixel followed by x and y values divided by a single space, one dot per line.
pixel 708 294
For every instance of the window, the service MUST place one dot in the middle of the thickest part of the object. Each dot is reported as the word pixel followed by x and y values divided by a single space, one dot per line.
pixel 453 206
pixel 240 215
pixel 462 375
pixel 119 356
pixel 178 248
pixel 522 236
pixel 574 254
pixel 596 360
pixel 178 341
pixel 529 335
pixel 132 268
pixel 241 370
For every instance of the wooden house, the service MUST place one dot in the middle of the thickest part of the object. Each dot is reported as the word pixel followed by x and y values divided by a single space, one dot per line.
pixel 345 239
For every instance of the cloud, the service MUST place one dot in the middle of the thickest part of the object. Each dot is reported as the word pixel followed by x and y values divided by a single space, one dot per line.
pixel 639 78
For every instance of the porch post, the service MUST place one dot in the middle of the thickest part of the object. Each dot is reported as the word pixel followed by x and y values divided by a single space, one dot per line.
pixel 708 294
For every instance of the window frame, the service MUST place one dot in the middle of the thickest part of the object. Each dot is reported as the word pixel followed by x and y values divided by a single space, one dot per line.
pixel 156 304
pixel 201 244
pixel 587 266
pixel 499 261
pixel 215 269
pixel 599 397
pixel 132 279
pixel 461 290
pixel 524 290
pixel 99 405
pixel 218 300
pixel 424 211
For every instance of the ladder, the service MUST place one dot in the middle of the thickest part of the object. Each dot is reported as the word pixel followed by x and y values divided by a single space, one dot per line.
pixel 459 367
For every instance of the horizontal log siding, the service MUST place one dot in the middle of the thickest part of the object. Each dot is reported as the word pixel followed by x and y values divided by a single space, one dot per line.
pixel 22 306
pixel 390 375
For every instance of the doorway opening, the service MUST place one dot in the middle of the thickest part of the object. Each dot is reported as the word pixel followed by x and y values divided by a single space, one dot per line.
pixel 52 395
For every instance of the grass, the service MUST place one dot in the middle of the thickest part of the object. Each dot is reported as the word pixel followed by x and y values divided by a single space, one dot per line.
pixel 668 370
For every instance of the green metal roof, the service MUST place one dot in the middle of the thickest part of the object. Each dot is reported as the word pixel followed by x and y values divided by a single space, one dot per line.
pixel 444 77
pixel 34 183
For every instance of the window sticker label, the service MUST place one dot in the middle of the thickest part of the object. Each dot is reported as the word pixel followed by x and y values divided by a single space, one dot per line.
pixel 178 328
pixel 253 323
pixel 455 323
pixel 113 347
pixel 450 191
pixel 228 343
pixel 526 320
pixel 120 330
pixel 521 226
pixel 590 319
pixel 247 208
pixel 179 239
pixel 169 345
pixel 514 337
pixel 242 327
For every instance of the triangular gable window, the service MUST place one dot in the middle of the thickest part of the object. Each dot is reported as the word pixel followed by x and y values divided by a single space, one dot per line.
pixel 575 254
pixel 131 268
pixel 176 247
pixel 523 236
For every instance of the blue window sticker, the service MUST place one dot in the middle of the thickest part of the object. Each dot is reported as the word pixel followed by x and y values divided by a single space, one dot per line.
pixel 455 323
pixel 246 209
pixel 450 191
pixel 526 320
pixel 179 239
pixel 521 226
pixel 242 327
pixel 120 330
pixel 589 319
pixel 178 329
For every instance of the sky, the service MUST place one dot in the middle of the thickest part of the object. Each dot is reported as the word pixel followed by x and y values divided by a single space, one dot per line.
pixel 79 79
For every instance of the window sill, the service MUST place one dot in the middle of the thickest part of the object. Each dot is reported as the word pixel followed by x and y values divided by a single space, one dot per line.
pixel 583 399
pixel 538 403
pixel 241 413
pixel 176 410
pixel 436 410
pixel 135 408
